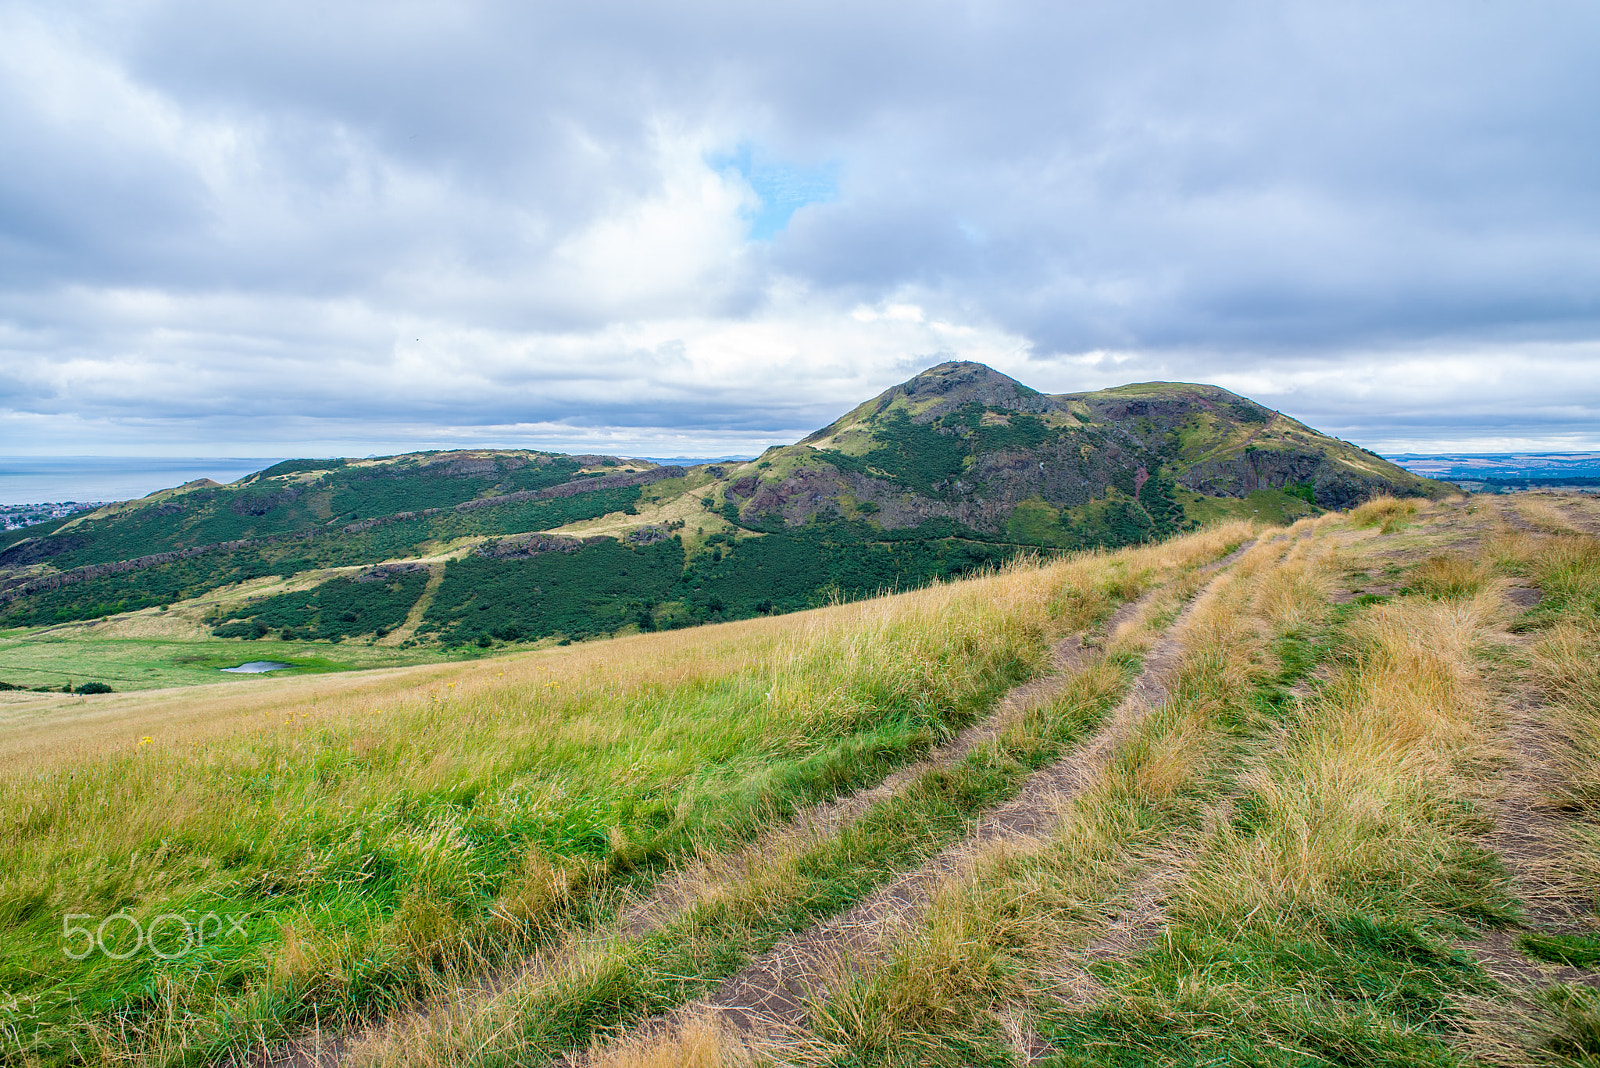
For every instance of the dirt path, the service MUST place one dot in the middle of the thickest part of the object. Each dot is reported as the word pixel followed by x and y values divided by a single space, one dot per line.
pixel 408 629
pixel 1527 836
pixel 772 993
pixel 678 891
pixel 1583 511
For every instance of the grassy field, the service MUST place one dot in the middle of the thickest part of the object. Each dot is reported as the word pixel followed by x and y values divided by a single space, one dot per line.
pixel 1360 830
pixel 1357 824
pixel 318 848
pixel 76 655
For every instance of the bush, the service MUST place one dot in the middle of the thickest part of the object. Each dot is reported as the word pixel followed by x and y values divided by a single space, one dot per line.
pixel 338 609
pixel 95 687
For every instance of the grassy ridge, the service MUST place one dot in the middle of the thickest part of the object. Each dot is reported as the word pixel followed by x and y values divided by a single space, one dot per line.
pixel 266 506
pixel 372 834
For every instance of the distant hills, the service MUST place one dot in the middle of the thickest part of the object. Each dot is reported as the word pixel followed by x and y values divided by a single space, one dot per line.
pixel 1562 468
pixel 958 468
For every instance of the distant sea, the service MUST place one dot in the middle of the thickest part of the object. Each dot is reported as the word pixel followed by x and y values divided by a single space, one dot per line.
pixel 41 479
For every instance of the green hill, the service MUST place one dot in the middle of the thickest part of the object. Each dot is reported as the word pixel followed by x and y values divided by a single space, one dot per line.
pixel 957 469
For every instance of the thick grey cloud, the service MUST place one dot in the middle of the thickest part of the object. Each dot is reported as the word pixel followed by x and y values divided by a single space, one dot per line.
pixel 260 229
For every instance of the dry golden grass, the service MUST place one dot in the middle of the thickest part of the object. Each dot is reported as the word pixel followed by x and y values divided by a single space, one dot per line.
pixel 700 1043
pixel 1543 510
pixel 1350 791
pixel 1386 513
pixel 1294 593
pixel 1451 575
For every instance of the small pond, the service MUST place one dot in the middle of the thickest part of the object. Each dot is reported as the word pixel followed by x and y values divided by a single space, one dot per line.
pixel 256 667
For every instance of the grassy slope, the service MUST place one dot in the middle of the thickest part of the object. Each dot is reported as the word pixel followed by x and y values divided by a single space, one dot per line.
pixel 1308 812
pixel 375 827
pixel 1323 884
pixel 1314 797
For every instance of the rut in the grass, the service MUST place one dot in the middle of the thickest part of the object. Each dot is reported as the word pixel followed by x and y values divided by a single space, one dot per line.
pixel 1527 837
pixel 677 892
pixel 773 992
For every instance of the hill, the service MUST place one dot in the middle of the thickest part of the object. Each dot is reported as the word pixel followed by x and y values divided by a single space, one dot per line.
pixel 957 469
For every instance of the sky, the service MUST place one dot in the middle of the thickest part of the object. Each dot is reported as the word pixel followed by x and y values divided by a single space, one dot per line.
pixel 698 229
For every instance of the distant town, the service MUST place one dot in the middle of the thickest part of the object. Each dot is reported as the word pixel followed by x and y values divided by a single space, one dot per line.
pixel 26 515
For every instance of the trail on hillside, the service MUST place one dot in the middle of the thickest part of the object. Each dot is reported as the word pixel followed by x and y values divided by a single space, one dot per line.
pixel 773 993
pixel 1528 830
pixel 408 630
pixel 681 889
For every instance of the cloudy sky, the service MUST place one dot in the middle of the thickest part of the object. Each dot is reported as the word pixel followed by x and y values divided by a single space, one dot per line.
pixel 698 229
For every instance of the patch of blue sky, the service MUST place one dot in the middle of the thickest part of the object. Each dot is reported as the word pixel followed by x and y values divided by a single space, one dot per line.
pixel 783 188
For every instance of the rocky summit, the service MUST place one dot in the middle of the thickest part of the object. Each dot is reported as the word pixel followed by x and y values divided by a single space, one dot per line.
pixel 965 446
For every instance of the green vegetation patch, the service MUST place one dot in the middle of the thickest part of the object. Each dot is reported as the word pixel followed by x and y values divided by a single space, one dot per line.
pixel 130 591
pixel 338 609
pixel 788 571
pixel 608 585
pixel 595 590
pixel 187 579
pixel 920 456
pixel 1268 506
pixel 78 656
pixel 1578 951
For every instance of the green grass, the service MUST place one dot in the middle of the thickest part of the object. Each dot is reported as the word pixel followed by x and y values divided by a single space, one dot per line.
pixel 1289 990
pixel 1579 951
pixel 77 655
pixel 1269 506
pixel 684 959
